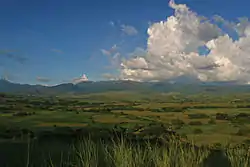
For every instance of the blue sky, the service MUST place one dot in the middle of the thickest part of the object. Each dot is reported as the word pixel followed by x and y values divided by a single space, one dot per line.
pixel 59 40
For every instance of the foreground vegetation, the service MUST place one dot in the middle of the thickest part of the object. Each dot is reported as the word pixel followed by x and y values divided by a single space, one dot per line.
pixel 124 153
pixel 52 124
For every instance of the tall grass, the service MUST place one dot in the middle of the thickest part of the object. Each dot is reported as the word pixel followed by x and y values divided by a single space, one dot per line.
pixel 239 156
pixel 87 153
pixel 179 155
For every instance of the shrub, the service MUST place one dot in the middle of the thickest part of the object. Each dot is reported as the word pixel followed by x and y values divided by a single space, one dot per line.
pixel 197 131
pixel 222 116
pixel 247 141
pixel 217 145
pixel 212 121
pixel 242 115
pixel 195 123
pixel 243 132
pixel 197 116
pixel 21 113
pixel 241 118
pixel 173 109
pixel 184 136
pixel 177 122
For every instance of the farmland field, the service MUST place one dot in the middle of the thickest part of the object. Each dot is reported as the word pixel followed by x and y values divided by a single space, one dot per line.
pixel 212 122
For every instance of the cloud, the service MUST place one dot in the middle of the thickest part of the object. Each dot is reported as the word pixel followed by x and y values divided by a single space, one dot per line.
pixel 57 51
pixel 173 49
pixel 12 54
pixel 129 30
pixel 43 79
pixel 8 76
pixel 110 51
pixel 112 23
pixel 109 76
pixel 83 78
pixel 106 52
pixel 113 56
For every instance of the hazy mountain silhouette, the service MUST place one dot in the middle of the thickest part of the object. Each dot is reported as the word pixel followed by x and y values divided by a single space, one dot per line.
pixel 180 84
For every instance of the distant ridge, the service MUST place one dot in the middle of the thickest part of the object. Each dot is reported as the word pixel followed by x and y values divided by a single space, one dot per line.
pixel 175 85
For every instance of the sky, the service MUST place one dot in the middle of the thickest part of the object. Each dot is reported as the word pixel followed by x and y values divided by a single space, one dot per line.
pixel 51 42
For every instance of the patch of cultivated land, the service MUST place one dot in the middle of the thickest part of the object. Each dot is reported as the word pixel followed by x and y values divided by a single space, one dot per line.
pixel 190 116
pixel 205 122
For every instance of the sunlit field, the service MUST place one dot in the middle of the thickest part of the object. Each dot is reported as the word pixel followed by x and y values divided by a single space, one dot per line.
pixel 125 132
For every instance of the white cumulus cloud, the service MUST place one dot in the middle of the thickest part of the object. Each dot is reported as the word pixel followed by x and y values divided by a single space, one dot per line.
pixel 173 44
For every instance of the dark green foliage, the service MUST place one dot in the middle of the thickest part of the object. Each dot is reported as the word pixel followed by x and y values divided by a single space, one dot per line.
pixel 5 107
pixel 217 145
pixel 177 122
pixel 247 141
pixel 242 115
pixel 170 109
pixel 14 132
pixel 241 118
pixel 184 136
pixel 101 110
pixel 197 131
pixel 242 106
pixel 222 116
pixel 195 123
pixel 243 131
pixel 209 107
pixel 22 113
pixel 212 121
pixel 197 116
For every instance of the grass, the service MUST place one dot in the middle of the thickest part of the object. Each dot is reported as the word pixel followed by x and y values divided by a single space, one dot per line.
pixel 59 124
pixel 238 156
pixel 215 132
pixel 122 153
pixel 87 153
pixel 112 119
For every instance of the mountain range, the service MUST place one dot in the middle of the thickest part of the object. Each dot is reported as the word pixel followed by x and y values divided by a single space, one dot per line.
pixel 175 85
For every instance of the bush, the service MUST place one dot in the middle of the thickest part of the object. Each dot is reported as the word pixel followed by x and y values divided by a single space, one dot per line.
pixel 242 115
pixel 197 116
pixel 212 121
pixel 195 123
pixel 21 113
pixel 241 118
pixel 169 109
pixel 243 132
pixel 178 127
pixel 222 116
pixel 172 109
pixel 177 122
pixel 247 141
pixel 217 146
pixel 197 131
pixel 184 136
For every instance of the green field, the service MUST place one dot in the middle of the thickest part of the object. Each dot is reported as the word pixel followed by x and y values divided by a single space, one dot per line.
pixel 77 112
pixel 203 120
